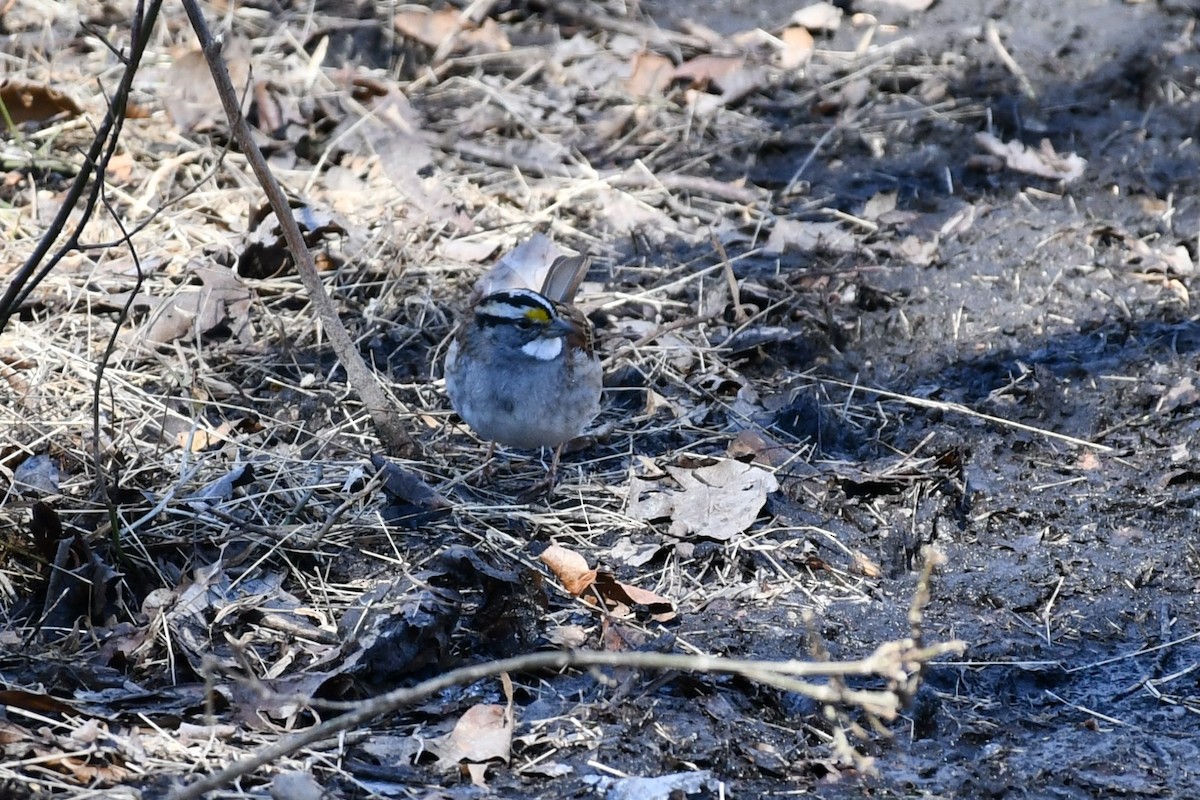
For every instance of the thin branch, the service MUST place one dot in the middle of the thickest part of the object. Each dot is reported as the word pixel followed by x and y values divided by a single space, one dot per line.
pixel 29 275
pixel 388 424
pixel 886 662
pixel 959 408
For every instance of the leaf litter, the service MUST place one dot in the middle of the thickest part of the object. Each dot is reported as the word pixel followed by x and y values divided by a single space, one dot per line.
pixel 265 563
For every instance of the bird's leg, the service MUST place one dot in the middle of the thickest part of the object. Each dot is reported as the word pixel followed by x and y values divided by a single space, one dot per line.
pixel 488 471
pixel 552 476
pixel 546 484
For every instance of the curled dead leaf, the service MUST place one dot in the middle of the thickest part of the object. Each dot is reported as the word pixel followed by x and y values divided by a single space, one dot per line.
pixel 26 101
pixel 805 236
pixel 189 94
pixel 569 567
pixel 706 69
pixel 447 30
pixel 716 502
pixel 761 447
pixel 649 74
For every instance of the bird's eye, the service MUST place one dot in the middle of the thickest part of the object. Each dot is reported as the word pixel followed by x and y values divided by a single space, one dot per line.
pixel 524 323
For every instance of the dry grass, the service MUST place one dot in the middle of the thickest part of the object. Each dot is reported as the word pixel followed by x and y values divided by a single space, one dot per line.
pixel 257 390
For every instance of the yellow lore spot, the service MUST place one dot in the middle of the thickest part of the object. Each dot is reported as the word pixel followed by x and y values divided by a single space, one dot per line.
pixel 537 315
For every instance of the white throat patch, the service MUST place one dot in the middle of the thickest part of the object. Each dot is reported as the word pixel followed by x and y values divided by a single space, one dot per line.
pixel 543 349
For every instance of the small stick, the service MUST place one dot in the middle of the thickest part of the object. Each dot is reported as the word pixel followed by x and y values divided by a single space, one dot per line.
pixel 993 36
pixel 959 408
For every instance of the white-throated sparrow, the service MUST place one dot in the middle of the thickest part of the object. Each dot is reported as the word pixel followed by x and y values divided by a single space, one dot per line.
pixel 521 369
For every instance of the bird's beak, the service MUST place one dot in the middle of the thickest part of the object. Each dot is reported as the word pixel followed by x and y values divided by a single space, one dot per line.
pixel 562 326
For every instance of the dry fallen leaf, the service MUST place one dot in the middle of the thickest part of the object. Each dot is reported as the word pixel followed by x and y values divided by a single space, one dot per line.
pixel 650 75
pixel 794 234
pixel 706 69
pixel 619 599
pixel 959 222
pixel 915 251
pixel 482 734
pixel 523 267
pixel 623 598
pixel 880 203
pixel 223 300
pixel 26 101
pixel 567 636
pixel 797 47
pixel 189 95
pixel 715 502
pixel 862 564
pixel 569 567
pixel 447 31
pixel 1043 161
pixel 1182 395
pixel 765 450
pixel 823 17
pixel 392 129
pixel 468 251
pixel 203 438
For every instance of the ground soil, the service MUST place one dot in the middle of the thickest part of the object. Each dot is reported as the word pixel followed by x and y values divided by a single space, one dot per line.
pixel 1074 580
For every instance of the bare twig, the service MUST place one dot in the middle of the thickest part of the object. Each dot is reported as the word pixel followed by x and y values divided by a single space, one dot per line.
pixel 993 36
pixel 886 662
pixel 651 33
pixel 388 425
pixel 959 408
pixel 26 279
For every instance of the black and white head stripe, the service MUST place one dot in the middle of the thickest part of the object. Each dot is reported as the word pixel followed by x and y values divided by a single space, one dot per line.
pixel 515 306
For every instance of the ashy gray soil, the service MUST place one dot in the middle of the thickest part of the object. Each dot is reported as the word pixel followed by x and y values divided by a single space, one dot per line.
pixel 1072 572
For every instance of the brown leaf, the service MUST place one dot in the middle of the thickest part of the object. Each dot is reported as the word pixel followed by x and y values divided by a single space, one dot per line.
pixel 189 94
pixel 11 733
pixel 34 701
pixel 392 129
pixel 650 74
pixel 447 31
pixel 863 565
pixel 763 448
pixel 430 28
pixel 797 47
pixel 625 598
pixel 483 733
pixel 569 567
pixel 706 69
pixel 223 300
pixel 616 637
pixel 34 102
pixel 203 438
